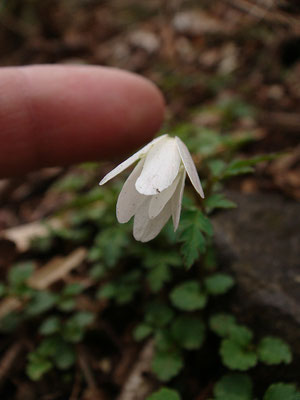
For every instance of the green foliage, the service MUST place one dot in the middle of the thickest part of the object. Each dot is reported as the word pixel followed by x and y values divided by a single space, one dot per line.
pixel 233 387
pixel 122 290
pixel 18 276
pixel 236 356
pixel 167 364
pixel 272 350
pixel 40 302
pixel 164 394
pixel 188 331
pixel 217 284
pixel 142 331
pixel 217 201
pixel 222 324
pixel 193 231
pixel 74 328
pixel 50 325
pixel 282 391
pixel 188 296
pixel 52 351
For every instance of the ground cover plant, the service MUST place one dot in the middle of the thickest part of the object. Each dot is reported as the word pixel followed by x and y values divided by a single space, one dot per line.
pixel 87 312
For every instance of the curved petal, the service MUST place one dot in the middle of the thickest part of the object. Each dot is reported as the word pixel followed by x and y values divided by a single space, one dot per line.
pixel 189 166
pixel 141 219
pixel 158 201
pixel 177 200
pixel 129 198
pixel 125 164
pixel 160 169
pixel 150 227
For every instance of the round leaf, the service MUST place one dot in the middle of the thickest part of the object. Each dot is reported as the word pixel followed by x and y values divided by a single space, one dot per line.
pixel 189 332
pixel 272 350
pixel 188 296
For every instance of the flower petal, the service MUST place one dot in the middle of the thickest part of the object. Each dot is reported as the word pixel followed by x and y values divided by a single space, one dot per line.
pixel 141 219
pixel 189 166
pixel 160 169
pixel 125 164
pixel 176 201
pixel 145 229
pixel 129 198
pixel 158 201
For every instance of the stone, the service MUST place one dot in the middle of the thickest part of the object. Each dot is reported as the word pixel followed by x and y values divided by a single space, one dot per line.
pixel 259 243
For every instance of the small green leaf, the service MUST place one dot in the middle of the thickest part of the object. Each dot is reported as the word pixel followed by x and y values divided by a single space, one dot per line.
pixel 142 331
pixel 50 325
pixel 74 328
pixel 73 289
pixel 158 276
pixel 41 302
pixel 282 391
pixel 107 291
pixel 216 201
pixel 218 284
pixel 188 296
pixel 167 364
pixel 272 350
pixel 222 323
pixel 240 334
pixel 188 331
pixel 236 357
pixel 64 356
pixel 233 387
pixel 37 366
pixel 192 227
pixel 20 273
pixel 2 289
pixel 164 394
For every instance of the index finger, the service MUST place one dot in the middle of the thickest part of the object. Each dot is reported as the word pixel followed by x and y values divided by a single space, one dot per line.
pixel 57 115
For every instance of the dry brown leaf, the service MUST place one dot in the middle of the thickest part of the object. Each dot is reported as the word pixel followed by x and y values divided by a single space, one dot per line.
pixel 22 235
pixel 56 269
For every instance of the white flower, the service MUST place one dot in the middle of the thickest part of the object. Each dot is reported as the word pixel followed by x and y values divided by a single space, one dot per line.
pixel 153 191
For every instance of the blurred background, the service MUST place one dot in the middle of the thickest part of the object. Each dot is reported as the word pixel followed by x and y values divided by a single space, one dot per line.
pixel 224 66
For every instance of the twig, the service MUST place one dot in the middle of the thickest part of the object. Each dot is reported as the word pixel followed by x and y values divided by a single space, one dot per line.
pixel 138 386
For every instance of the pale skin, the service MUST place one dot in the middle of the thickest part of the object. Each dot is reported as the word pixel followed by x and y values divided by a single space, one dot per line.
pixel 59 115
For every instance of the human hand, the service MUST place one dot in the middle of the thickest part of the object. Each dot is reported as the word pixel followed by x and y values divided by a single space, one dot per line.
pixel 58 115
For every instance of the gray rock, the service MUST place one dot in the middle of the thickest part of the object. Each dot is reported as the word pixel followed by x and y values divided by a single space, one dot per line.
pixel 260 243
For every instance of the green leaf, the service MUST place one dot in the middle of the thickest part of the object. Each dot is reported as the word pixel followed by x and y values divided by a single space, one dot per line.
pixel 188 296
pixel 73 289
pixel 158 276
pixel 107 291
pixel 234 387
pixel 98 271
pixel 41 302
pixel 164 394
pixel 111 244
pixel 142 331
pixel 238 167
pixel 193 224
pixel 2 289
pixel 158 314
pixel 74 328
pixel 64 356
pixel 50 325
pixel 272 350
pixel 20 273
pixel 188 331
pixel 216 201
pixel 236 357
pixel 282 391
pixel 222 323
pixel 167 364
pixel 37 366
pixel 240 334
pixel 218 283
